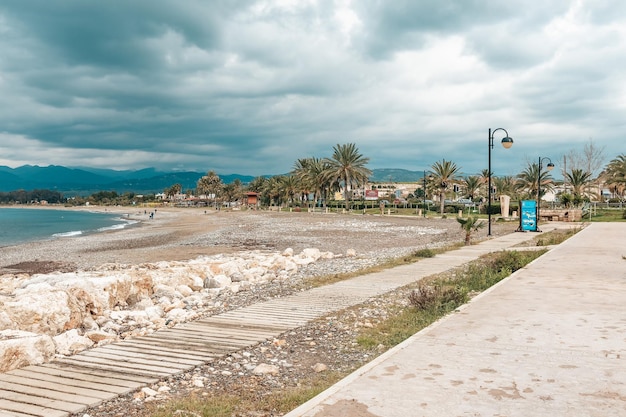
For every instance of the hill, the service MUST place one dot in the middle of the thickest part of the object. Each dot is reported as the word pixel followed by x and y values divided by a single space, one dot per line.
pixel 86 181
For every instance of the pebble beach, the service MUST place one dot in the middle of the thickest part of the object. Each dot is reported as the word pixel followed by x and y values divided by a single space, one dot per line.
pixel 179 234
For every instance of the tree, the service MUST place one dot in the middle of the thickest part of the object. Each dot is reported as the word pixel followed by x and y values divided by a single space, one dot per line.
pixel 444 174
pixel 210 184
pixel 289 187
pixel 528 180
pixel 505 185
pixel 470 225
pixel 233 191
pixel 274 189
pixel 347 167
pixel 615 175
pixel 578 180
pixel 589 160
pixel 172 191
pixel 472 185
pixel 310 173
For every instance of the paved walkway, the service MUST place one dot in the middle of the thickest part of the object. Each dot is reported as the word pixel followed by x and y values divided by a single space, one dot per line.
pixel 72 384
pixel 548 341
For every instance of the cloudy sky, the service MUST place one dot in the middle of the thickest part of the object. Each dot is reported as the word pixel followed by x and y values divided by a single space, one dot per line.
pixel 249 87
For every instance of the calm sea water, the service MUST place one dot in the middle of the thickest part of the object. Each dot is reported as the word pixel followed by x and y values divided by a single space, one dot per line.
pixel 19 225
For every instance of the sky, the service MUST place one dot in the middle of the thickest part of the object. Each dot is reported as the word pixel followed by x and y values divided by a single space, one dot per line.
pixel 249 87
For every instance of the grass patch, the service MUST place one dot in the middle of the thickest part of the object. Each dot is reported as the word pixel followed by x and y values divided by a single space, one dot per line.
pixel 556 237
pixel 439 296
pixel 196 406
pixel 246 402
pixel 607 215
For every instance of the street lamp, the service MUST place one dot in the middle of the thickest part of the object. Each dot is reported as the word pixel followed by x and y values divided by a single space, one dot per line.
pixel 430 177
pixel 550 167
pixel 507 142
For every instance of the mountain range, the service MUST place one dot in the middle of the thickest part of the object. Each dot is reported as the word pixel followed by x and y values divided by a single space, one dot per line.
pixel 85 181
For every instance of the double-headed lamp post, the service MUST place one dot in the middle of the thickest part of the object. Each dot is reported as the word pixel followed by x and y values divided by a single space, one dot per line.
pixel 549 167
pixel 507 142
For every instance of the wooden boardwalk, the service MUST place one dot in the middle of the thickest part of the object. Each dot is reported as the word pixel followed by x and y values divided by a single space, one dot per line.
pixel 72 384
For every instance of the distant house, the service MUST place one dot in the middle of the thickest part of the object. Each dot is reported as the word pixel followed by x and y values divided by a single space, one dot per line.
pixel 252 199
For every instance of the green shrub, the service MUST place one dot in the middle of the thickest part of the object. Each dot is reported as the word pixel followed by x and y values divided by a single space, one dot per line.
pixel 438 298
pixel 424 253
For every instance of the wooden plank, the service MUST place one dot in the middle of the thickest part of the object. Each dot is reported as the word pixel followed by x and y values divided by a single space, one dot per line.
pixel 270 314
pixel 218 327
pixel 204 354
pixel 211 350
pixel 192 345
pixel 13 414
pixel 29 385
pixel 89 374
pixel 30 409
pixel 132 361
pixel 210 338
pixel 249 319
pixel 206 330
pixel 174 357
pixel 218 321
pixel 100 365
pixel 41 401
pixel 138 355
pixel 71 382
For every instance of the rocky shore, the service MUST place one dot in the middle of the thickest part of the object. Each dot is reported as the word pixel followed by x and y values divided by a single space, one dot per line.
pixel 60 297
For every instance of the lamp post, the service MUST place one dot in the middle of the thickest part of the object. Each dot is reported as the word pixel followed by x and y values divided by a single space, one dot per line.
pixel 507 142
pixel 550 166
pixel 424 180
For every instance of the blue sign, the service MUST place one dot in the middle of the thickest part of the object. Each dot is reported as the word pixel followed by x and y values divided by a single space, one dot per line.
pixel 528 215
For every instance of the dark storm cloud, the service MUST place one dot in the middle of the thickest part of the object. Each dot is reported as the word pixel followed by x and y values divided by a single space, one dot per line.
pixel 250 86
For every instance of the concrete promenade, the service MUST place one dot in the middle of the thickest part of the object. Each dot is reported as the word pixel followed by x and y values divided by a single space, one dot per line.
pixel 550 340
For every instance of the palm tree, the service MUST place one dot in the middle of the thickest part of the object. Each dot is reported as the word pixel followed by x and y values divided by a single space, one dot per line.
pixel 469 225
pixel 528 180
pixel 233 192
pixel 347 166
pixel 310 172
pixel 172 191
pixel 472 185
pixel 274 189
pixel 444 174
pixel 505 185
pixel 210 184
pixel 578 180
pixel 615 174
pixel 289 187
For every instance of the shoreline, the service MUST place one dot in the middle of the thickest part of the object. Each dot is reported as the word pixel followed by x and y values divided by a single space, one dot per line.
pixel 88 250
pixel 176 234
pixel 123 220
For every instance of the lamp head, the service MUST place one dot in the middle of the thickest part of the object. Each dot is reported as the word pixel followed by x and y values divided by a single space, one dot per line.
pixel 550 166
pixel 507 142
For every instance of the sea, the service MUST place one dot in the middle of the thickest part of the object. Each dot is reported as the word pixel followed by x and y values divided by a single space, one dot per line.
pixel 22 225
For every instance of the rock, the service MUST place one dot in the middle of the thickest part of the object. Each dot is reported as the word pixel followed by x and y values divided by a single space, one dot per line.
pixel 19 348
pixel 184 290
pixel 100 336
pixel 351 253
pixel 264 369
pixel 71 342
pixel 149 392
pixel 319 367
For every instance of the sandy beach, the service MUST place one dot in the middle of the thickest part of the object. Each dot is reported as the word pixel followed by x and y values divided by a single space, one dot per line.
pixel 186 233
